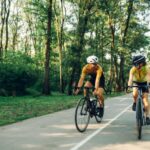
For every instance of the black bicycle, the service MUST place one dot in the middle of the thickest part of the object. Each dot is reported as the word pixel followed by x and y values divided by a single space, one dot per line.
pixel 140 115
pixel 86 108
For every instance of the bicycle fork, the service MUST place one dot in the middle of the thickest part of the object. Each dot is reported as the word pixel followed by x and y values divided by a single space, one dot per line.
pixel 140 113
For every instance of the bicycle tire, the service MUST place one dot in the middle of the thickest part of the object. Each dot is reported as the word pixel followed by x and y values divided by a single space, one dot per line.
pixel 99 116
pixel 82 115
pixel 139 119
pixel 139 128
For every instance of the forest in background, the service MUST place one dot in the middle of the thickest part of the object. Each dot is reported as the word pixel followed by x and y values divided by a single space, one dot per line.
pixel 44 43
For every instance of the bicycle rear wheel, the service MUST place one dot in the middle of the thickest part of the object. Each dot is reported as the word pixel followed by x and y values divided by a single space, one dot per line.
pixel 139 120
pixel 82 115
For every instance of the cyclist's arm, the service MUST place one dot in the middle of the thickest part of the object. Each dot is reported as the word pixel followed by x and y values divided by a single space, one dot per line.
pixel 148 74
pixel 80 83
pixel 98 76
pixel 130 78
pixel 83 74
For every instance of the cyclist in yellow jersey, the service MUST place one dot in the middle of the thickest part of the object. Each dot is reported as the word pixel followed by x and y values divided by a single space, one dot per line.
pixel 97 78
pixel 140 73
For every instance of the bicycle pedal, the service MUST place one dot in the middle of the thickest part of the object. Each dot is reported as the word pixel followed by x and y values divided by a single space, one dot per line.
pixel 91 115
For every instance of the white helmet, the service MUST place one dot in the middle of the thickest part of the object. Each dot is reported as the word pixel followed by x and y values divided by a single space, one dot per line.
pixel 92 59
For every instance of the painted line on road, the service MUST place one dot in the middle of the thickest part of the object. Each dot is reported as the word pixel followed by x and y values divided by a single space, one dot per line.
pixel 122 100
pixel 98 130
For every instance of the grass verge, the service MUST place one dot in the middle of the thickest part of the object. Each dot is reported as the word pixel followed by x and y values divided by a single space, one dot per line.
pixel 14 109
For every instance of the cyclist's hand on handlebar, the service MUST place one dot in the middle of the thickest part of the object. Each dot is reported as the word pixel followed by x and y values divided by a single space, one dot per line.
pixel 76 90
pixel 95 91
pixel 148 84
pixel 128 89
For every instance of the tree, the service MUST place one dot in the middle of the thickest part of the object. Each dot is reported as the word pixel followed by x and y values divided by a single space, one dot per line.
pixel 85 8
pixel 7 17
pixel 3 17
pixel 46 86
pixel 59 23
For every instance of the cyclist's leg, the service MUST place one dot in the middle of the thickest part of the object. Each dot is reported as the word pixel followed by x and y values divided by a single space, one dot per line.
pixel 146 103
pixel 100 96
pixel 135 95
pixel 101 91
pixel 146 107
pixel 87 84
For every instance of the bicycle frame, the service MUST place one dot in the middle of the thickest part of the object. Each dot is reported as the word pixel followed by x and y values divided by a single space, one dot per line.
pixel 140 107
pixel 140 118
pixel 89 102
pixel 92 104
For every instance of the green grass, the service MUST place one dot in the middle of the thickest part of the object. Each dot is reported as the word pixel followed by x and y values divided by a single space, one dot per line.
pixel 14 109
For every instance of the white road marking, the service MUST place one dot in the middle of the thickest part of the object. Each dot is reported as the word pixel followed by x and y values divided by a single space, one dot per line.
pixel 76 147
pixel 122 100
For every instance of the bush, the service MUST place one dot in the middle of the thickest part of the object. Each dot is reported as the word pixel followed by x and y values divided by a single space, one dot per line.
pixel 17 74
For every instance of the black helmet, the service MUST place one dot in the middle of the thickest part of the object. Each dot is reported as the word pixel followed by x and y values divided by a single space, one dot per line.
pixel 138 59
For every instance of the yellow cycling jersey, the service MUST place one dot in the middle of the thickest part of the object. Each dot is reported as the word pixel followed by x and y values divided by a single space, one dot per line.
pixel 139 75
pixel 90 70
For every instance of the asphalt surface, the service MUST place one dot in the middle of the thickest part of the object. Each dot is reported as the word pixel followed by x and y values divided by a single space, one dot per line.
pixel 57 131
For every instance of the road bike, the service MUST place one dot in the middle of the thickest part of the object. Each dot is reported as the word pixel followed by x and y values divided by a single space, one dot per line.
pixel 87 107
pixel 140 113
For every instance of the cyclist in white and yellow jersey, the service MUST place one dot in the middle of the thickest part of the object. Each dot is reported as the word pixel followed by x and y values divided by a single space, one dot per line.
pixel 140 73
pixel 96 80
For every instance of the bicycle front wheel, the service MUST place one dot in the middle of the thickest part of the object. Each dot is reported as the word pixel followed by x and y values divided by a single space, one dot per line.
pixel 139 119
pixel 82 115
pixel 139 128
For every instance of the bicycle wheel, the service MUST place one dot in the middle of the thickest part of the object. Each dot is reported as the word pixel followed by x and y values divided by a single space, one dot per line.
pixel 139 119
pixel 139 128
pixel 82 115
pixel 99 113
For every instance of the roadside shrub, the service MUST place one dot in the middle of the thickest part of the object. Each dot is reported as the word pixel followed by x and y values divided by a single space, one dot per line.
pixel 16 74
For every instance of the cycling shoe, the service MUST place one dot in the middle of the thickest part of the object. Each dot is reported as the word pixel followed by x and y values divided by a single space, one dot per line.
pixel 147 120
pixel 100 111
pixel 134 106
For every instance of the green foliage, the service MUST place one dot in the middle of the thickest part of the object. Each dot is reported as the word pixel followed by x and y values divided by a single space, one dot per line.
pixel 17 73
pixel 28 32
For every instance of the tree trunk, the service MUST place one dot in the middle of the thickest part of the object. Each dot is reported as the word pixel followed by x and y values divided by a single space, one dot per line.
pixel 46 87
pixel 3 17
pixel 112 29
pixel 121 76
pixel 59 30
pixel 7 17
pixel 15 29
pixel 84 14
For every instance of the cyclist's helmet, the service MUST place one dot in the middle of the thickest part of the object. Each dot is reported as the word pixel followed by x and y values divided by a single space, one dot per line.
pixel 138 60
pixel 92 59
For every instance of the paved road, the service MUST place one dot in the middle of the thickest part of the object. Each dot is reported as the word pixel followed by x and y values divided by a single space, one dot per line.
pixel 57 131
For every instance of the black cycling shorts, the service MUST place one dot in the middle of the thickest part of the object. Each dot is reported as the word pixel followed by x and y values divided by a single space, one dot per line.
pixel 144 89
pixel 101 82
